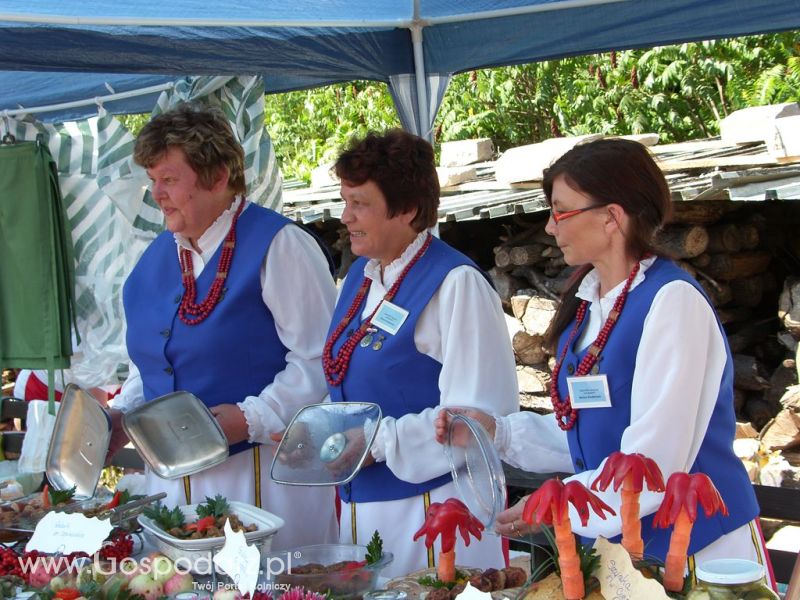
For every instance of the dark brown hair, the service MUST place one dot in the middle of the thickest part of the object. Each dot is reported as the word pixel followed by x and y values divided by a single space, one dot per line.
pixel 610 171
pixel 403 167
pixel 204 135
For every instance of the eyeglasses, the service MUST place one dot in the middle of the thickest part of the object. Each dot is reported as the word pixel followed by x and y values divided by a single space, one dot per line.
pixel 560 216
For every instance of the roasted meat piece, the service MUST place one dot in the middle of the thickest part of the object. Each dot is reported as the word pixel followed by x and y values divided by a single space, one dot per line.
pixel 515 577
pixel 497 578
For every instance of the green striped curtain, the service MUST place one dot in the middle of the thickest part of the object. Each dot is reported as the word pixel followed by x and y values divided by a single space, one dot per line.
pixel 111 213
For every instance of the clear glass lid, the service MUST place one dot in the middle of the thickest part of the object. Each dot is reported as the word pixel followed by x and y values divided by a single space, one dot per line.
pixel 476 468
pixel 326 444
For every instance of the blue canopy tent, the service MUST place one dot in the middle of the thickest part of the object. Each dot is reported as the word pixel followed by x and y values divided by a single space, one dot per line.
pixel 57 52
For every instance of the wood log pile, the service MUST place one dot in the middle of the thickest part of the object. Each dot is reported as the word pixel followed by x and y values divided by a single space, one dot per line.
pixel 738 257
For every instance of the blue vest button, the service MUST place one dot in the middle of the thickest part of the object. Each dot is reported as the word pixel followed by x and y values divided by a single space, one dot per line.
pixel 579 464
pixel 178 298
pixel 570 368
pixel 165 333
pixel 169 370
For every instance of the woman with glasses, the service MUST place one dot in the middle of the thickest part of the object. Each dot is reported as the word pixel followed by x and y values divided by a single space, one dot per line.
pixel 642 362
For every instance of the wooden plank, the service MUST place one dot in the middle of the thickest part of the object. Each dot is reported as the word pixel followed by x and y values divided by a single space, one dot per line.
pixel 692 147
pixel 778 503
pixel 721 162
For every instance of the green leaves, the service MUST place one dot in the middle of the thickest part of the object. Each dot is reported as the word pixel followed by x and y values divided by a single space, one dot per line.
pixel 679 92
pixel 164 517
pixel 59 496
pixel 213 507
pixel 374 548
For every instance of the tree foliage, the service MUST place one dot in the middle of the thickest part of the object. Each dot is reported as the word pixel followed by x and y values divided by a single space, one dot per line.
pixel 680 92
pixel 312 126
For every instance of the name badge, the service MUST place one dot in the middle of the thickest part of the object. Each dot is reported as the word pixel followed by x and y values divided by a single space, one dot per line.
pixel 390 317
pixel 589 391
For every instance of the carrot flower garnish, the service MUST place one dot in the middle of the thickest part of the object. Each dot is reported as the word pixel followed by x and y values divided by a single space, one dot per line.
pixel 631 472
pixel 679 508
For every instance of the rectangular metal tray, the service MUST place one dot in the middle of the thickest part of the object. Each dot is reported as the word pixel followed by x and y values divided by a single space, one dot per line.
pixel 25 522
pixel 176 435
pixel 14 516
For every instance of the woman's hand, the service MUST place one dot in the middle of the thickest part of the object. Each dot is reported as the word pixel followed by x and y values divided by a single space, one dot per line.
pixel 510 524
pixel 298 450
pixel 231 419
pixel 354 447
pixel 442 424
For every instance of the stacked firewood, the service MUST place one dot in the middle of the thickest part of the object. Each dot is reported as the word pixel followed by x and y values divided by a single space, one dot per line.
pixel 731 252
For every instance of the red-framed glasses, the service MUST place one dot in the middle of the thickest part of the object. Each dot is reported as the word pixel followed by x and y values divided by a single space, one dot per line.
pixel 560 216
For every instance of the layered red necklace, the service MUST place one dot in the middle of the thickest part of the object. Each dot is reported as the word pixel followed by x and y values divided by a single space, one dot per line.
pixel 336 367
pixel 189 311
pixel 566 416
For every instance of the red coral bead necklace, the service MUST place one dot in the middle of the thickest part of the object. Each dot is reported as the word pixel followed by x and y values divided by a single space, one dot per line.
pixel 335 367
pixel 189 311
pixel 566 416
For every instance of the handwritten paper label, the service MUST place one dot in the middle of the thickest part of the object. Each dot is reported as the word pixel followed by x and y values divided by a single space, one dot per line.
pixel 619 580
pixel 239 560
pixel 62 533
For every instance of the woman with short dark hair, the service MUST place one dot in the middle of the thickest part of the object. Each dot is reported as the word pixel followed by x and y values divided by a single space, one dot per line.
pixel 417 327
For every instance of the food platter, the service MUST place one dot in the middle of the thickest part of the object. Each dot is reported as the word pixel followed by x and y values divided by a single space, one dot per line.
pixel 411 585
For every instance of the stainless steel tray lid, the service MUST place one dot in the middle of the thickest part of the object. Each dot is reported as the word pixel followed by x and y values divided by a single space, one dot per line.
pixel 176 435
pixel 326 444
pixel 78 447
pixel 476 467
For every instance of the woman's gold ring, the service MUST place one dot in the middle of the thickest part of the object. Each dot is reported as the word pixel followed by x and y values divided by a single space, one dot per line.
pixel 514 529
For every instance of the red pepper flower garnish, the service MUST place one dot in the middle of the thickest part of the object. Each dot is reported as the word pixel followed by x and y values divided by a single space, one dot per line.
pixel 549 505
pixel 679 507
pixel 631 471
pixel 443 519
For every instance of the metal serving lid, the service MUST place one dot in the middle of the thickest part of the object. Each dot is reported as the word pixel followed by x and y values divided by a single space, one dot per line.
pixel 326 444
pixel 79 444
pixel 476 468
pixel 176 435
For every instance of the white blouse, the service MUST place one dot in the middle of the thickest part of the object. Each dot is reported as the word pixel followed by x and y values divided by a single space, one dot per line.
pixel 679 365
pixel 463 328
pixel 302 308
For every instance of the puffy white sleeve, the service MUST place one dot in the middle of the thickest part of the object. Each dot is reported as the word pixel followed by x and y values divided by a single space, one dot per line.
pixel 464 329
pixel 533 443
pixel 131 394
pixel 676 381
pixel 298 289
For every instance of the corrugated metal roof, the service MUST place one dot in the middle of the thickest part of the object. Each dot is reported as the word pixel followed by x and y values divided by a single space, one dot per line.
pixel 701 170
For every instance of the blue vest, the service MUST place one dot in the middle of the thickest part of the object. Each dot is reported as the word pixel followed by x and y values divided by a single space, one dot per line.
pixel 598 432
pixel 236 351
pixel 397 377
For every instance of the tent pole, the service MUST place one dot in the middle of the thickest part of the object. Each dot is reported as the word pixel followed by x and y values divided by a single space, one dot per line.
pixel 153 89
pixel 419 75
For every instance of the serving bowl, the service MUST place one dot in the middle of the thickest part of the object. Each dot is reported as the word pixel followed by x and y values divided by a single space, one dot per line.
pixel 197 554
pixel 344 578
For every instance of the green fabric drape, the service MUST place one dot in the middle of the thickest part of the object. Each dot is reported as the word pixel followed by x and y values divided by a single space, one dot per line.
pixel 37 277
